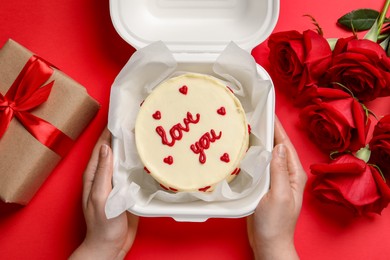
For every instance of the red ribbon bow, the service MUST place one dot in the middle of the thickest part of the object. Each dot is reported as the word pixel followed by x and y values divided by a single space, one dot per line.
pixel 26 94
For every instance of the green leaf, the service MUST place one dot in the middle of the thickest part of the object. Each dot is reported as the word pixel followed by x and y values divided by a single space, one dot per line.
pixel 332 42
pixel 388 50
pixel 379 170
pixel 372 34
pixel 359 20
pixel 385 43
pixel 316 24
pixel 363 154
pixel 383 37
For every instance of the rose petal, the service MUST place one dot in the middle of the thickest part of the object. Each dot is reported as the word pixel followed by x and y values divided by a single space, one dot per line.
pixel 352 183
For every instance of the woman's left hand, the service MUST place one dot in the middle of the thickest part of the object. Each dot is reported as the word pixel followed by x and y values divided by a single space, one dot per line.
pixel 105 238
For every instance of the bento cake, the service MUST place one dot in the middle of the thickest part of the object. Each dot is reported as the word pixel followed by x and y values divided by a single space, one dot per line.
pixel 191 133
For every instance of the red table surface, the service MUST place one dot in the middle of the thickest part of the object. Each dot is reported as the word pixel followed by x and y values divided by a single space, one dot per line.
pixel 78 37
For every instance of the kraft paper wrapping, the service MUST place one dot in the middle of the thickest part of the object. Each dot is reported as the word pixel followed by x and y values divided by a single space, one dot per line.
pixel 25 163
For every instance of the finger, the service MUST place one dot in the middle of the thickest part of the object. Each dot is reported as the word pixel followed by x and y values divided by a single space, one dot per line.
pixel 281 137
pixel 89 173
pixel 294 165
pixel 105 138
pixel 280 134
pixel 249 229
pixel 279 170
pixel 132 222
pixel 101 186
pixel 298 175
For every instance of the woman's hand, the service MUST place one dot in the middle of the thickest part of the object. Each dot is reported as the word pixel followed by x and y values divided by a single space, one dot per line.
pixel 271 227
pixel 105 238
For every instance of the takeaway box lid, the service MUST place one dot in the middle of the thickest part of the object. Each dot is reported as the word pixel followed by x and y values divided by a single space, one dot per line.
pixel 192 26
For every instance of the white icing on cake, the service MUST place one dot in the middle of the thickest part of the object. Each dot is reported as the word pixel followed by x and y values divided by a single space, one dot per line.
pixel 191 133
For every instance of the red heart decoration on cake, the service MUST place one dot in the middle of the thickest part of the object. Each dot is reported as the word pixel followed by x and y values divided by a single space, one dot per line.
pixel 183 90
pixel 225 158
pixel 168 160
pixel 157 115
pixel 236 171
pixel 205 188
pixel 221 111
pixel 173 189
pixel 162 186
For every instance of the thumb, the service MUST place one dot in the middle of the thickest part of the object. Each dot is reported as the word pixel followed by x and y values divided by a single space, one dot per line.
pixel 101 186
pixel 279 169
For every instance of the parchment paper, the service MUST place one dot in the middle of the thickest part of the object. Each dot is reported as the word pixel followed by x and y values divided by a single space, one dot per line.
pixel 146 69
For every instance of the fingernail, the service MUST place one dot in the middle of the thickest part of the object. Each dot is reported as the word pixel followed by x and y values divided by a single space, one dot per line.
pixel 282 151
pixel 104 150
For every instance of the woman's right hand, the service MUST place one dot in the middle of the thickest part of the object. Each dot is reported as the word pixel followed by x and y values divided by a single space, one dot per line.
pixel 271 227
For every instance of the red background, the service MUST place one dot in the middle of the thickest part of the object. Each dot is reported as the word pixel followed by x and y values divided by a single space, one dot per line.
pixel 78 37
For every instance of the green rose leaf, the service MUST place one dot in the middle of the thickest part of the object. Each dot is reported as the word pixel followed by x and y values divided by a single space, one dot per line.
pixel 364 154
pixel 359 20
pixel 385 44
pixel 388 48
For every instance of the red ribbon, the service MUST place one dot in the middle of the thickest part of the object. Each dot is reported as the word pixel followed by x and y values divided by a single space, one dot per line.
pixel 27 93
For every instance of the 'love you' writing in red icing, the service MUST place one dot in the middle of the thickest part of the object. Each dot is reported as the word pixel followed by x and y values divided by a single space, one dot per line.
pixel 176 131
pixel 204 143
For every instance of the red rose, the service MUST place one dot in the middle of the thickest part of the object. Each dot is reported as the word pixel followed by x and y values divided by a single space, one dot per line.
pixel 299 60
pixel 362 66
pixel 352 183
pixel 335 121
pixel 380 146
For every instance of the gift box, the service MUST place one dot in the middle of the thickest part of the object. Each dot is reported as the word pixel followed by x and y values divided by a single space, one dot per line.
pixel 42 112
